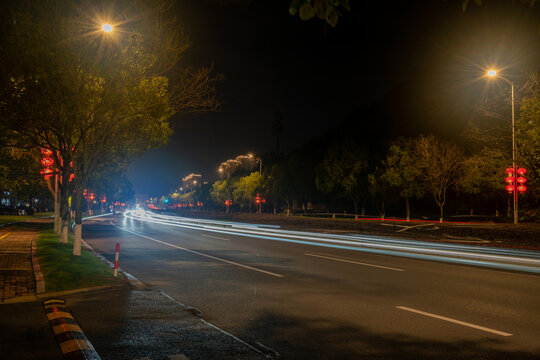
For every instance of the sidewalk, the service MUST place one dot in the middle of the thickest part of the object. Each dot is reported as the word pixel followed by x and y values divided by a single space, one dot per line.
pixel 19 271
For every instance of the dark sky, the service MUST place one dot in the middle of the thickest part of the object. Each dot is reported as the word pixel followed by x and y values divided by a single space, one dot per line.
pixel 414 66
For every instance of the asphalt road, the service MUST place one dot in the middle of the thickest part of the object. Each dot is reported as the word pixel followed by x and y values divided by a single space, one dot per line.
pixel 314 302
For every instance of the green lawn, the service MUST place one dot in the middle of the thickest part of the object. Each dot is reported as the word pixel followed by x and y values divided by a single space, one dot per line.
pixel 4 219
pixel 63 271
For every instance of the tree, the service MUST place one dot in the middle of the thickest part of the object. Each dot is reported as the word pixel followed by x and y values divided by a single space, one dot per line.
pixel 19 173
pixel 245 189
pixel 326 10
pixel 401 173
pixel 91 97
pixel 439 166
pixel 222 191
pixel 344 171
pixel 528 135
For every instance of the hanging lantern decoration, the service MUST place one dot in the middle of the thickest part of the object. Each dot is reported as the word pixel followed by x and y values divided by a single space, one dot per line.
pixel 47 162
pixel 516 180
pixel 521 180
pixel 46 152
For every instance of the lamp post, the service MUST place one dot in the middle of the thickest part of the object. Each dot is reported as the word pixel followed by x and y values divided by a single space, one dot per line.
pixel 493 73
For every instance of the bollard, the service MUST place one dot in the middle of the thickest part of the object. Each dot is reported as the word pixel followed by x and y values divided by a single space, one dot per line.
pixel 116 259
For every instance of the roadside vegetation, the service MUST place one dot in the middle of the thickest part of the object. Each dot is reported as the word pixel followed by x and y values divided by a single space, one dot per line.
pixel 388 171
pixel 6 219
pixel 63 271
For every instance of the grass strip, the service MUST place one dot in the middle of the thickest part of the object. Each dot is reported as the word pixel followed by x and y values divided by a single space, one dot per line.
pixel 4 219
pixel 64 271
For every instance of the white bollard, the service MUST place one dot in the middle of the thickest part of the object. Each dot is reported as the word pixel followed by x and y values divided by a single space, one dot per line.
pixel 116 259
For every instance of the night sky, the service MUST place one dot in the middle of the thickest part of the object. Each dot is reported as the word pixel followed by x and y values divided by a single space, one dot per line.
pixel 409 67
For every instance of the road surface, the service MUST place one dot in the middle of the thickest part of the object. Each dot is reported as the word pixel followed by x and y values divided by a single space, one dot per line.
pixel 311 299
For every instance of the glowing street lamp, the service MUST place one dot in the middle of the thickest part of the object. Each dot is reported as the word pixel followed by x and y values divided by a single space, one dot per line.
pixel 107 28
pixel 493 73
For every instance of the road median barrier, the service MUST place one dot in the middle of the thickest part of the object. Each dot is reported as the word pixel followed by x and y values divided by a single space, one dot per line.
pixel 68 334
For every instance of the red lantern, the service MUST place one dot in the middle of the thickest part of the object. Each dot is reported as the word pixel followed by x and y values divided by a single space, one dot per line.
pixel 509 170
pixel 510 188
pixel 521 171
pixel 521 180
pixel 510 179
pixel 522 188
pixel 46 152
pixel 47 161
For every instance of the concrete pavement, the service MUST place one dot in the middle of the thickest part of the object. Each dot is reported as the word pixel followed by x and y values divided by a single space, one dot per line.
pixel 19 270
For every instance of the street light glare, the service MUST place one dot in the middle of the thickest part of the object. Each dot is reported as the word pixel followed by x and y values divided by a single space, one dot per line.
pixel 492 72
pixel 107 27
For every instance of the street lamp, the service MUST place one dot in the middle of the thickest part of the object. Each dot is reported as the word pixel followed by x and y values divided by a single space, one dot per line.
pixel 107 28
pixel 493 73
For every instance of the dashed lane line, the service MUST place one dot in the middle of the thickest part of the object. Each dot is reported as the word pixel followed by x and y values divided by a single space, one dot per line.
pixel 353 262
pixel 463 323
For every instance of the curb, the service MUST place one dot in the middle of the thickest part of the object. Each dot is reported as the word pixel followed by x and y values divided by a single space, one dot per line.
pixel 31 298
pixel 68 334
pixel 38 275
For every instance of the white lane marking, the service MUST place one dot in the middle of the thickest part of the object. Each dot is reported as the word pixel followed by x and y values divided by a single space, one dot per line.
pixel 215 237
pixel 214 326
pixel 353 262
pixel 201 254
pixel 478 327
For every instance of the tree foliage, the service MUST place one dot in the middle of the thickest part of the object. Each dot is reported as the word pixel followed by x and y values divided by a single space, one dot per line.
pixel 94 98
pixel 326 10
pixel 439 166
pixel 401 173
pixel 344 169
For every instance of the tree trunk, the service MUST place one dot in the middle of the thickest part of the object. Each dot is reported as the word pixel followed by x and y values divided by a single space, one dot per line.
pixel 441 207
pixel 64 223
pixel 407 209
pixel 77 239
pixel 56 206
pixel 497 209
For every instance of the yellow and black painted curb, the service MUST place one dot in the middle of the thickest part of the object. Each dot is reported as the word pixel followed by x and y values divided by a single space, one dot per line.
pixel 69 336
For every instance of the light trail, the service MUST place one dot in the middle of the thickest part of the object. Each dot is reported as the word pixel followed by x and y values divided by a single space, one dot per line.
pixel 506 259
pixel 202 254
